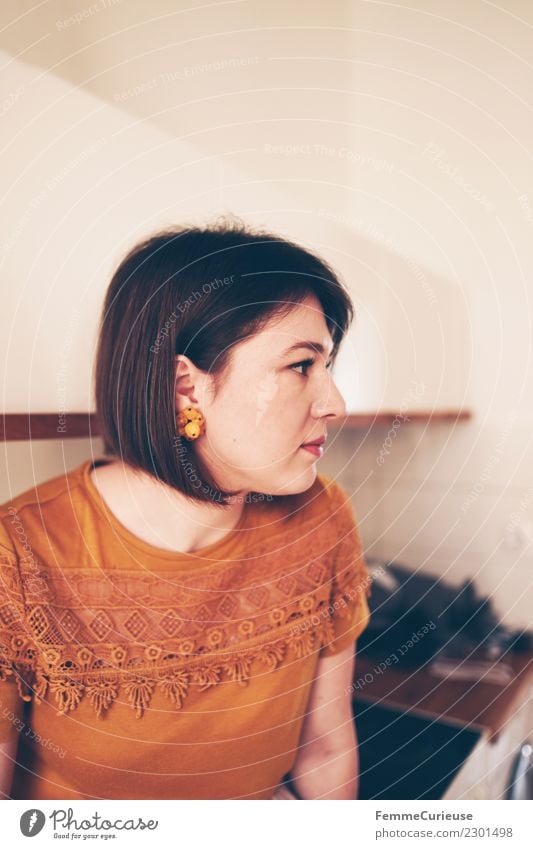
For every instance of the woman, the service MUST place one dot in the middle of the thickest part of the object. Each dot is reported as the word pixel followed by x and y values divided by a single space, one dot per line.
pixel 178 617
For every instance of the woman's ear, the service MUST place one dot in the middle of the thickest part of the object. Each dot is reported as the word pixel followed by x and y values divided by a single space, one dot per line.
pixel 185 382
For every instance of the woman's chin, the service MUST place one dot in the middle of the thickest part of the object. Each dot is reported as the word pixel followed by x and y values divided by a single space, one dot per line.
pixel 294 484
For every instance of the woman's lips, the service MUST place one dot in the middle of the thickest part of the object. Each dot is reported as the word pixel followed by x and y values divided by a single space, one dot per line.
pixel 314 449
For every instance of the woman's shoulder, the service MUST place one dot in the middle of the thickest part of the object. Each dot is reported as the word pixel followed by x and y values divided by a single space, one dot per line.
pixel 26 517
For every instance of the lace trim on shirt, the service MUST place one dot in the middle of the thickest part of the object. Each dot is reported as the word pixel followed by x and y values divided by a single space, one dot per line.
pixel 100 672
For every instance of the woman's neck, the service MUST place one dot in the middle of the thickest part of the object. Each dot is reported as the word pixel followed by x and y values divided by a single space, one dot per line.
pixel 159 515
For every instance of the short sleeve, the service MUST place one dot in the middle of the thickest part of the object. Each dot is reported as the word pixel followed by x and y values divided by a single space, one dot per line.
pixel 348 610
pixel 14 660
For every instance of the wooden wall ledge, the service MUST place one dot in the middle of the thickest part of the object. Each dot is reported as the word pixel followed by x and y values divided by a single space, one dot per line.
pixel 386 419
pixel 28 426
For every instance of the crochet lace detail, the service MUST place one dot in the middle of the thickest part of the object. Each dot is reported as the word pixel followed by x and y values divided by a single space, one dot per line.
pixel 89 634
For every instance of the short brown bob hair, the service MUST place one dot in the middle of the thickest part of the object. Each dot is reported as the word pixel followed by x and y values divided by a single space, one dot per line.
pixel 156 307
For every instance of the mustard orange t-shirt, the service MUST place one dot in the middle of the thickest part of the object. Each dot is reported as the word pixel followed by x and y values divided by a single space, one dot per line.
pixel 133 672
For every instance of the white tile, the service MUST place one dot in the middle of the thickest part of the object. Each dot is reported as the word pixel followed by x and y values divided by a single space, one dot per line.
pixel 431 517
pixel 24 464
pixel 463 454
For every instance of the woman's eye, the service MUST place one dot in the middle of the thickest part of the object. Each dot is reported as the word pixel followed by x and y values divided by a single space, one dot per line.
pixel 305 364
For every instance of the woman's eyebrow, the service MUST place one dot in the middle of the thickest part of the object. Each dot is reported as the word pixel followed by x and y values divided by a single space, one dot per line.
pixel 317 347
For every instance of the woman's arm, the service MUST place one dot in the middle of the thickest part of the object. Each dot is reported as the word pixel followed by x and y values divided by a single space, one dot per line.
pixel 8 753
pixel 327 763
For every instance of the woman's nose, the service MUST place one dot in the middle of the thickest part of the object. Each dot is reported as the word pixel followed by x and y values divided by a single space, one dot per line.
pixel 330 401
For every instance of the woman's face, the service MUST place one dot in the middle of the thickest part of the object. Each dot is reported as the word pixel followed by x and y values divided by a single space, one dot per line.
pixel 269 405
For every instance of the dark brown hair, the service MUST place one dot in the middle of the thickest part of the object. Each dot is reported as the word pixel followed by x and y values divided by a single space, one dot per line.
pixel 196 291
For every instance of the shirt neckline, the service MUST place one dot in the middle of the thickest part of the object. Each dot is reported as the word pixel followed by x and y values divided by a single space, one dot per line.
pixel 215 548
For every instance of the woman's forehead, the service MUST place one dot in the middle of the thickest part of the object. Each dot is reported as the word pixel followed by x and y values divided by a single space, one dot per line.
pixel 304 323
pixel 303 329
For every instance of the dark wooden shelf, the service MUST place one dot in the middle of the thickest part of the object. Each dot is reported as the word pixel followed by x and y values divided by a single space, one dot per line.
pixel 385 419
pixel 28 426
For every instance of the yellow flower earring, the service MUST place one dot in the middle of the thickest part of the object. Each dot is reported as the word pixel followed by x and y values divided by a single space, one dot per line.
pixel 191 423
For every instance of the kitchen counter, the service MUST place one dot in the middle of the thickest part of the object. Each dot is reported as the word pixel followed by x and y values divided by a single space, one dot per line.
pixel 470 702
pixel 503 714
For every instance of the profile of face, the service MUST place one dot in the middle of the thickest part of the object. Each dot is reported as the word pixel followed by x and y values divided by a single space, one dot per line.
pixel 272 401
